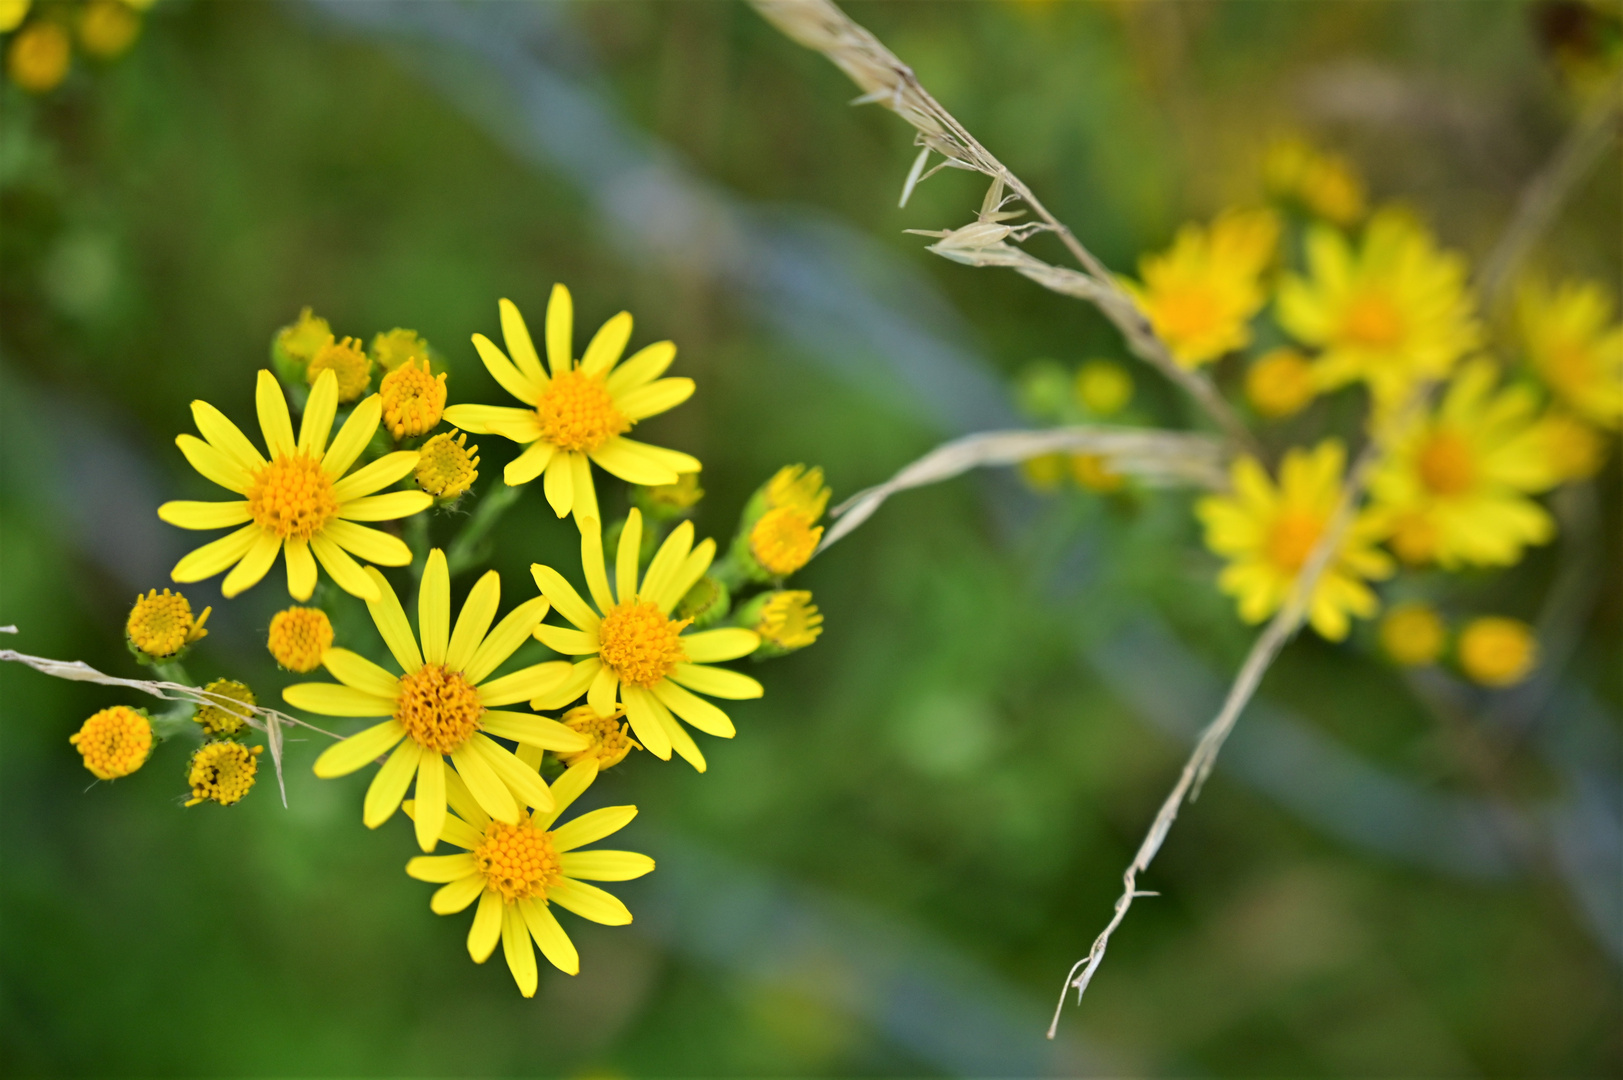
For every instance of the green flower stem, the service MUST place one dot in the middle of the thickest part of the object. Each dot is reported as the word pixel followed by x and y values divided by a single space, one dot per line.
pixel 468 546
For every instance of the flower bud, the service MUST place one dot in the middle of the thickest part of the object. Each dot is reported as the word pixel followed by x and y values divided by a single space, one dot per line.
pixel 222 772
pixel 1413 634
pixel 447 466
pixel 221 716
pixel 115 742
pixel 1103 387
pixel 786 620
pixel 1496 651
pixel 296 344
pixel 161 627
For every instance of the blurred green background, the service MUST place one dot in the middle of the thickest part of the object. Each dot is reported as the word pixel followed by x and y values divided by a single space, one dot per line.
pixel 925 820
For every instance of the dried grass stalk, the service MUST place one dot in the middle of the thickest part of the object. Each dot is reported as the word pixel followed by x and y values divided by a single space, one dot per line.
pixel 1158 458
pixel 885 80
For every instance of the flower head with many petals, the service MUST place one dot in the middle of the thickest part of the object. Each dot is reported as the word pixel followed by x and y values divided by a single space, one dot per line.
pixel 1392 313
pixel 1455 484
pixel 441 704
pixel 1267 532
pixel 518 870
pixel 1575 347
pixel 297 500
pixel 635 651
pixel 578 412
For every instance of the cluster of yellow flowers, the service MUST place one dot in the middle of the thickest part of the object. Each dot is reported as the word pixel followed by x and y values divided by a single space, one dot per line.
pixel 1372 307
pixel 465 747
pixel 39 53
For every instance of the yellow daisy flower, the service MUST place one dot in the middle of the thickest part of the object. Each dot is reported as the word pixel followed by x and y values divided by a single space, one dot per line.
pixel 1268 532
pixel 635 651
pixel 1323 183
pixel 299 501
pixel 1200 295
pixel 1575 347
pixel 441 704
pixel 1454 485
pixel 517 871
pixel 580 413
pixel 1393 312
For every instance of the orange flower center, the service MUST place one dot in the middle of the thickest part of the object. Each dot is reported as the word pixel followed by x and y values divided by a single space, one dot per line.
pixel 640 643
pixel 1447 466
pixel 1291 539
pixel 438 708
pixel 1373 321
pixel 784 540
pixel 292 497
pixel 517 860
pixel 1186 313
pixel 577 413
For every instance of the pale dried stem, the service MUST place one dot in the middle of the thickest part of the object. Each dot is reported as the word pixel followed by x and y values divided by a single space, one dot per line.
pixel 258 717
pixel 1541 200
pixel 885 80
pixel 1158 458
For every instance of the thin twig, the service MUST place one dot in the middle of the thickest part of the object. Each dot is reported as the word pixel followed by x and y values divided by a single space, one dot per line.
pixel 1550 188
pixel 885 80
pixel 1159 458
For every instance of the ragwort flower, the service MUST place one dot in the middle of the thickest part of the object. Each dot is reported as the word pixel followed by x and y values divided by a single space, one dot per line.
pixel 1200 295
pixel 635 651
pixel 518 870
pixel 1575 347
pixel 1455 484
pixel 580 412
pixel 299 501
pixel 1267 532
pixel 441 705
pixel 1392 313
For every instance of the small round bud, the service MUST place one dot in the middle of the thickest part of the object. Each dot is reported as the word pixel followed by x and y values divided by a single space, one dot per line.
pixel 1413 634
pixel 296 344
pixel 107 28
pixel 1103 387
pixel 1497 651
pixel 298 637
pixel 160 626
pixel 39 56
pixel 114 742
pixel 1280 384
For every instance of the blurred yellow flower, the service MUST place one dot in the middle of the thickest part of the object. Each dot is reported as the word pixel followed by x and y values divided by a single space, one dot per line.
pixel 1574 449
pixel 107 28
pixel 1200 295
pixel 580 413
pixel 1280 384
pixel 1045 472
pixel 114 742
pixel 1454 484
pixel 222 772
pixel 1103 387
pixel 1575 347
pixel 610 737
pixel 12 14
pixel 787 620
pixel 298 637
pixel 299 501
pixel 1393 312
pixel 161 624
pixel 1267 533
pixel 392 348
pixel 1092 472
pixel 635 652
pixel 345 360
pixel 448 466
pixel 441 704
pixel 518 870
pixel 1325 184
pixel 299 341
pixel 39 56
pixel 1413 634
pixel 1496 651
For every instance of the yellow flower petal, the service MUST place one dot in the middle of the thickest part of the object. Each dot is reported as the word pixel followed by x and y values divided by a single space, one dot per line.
pixel 519 425
pixel 441 869
pixel 369 544
pixel 214 465
pixel 591 557
pixel 517 950
pixel 561 639
pixel 516 334
pixel 717 682
pixel 686 576
pixel 607 345
pixel 378 475
pixel 667 561
pixel 389 786
pixel 729 643
pixel 301 569
pixel 625 561
pixel 622 457
pixel 560 331
pixel 645 365
pixel 645 712
pixel 487 927
pixel 478 612
pixel 550 937
pixel 695 710
pixel 205 515
pixel 532 730
pixel 333 699
pixel 434 608
pixel 274 420
pixel 213 557
pixel 503 641
pixel 386 507
pixel 457 895
pixel 564 598
pixel 603 865
pixel 589 902
pixel 429 821
pixel 225 436
pixel 530 464
pixel 524 782
pixel 254 565
pixel 559 484
pixel 524 684
pixel 319 412
pixel 654 398
pixel 354 670
pixel 504 372
pixel 353 437
pixel 682 742
pixel 567 788
pixel 573 686
pixel 357 751
pixel 486 787
pixel 601 695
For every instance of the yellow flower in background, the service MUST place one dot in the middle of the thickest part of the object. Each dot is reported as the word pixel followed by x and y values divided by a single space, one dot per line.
pixel 518 870
pixel 345 360
pixel 1280 384
pixel 300 501
pixel 1045 472
pixel 222 772
pixel 441 704
pixel 784 536
pixel 1201 294
pixel 1498 652
pixel 1092 472
pixel 303 338
pixel 448 465
pixel 114 742
pixel 39 56
pixel 579 413
pixel 1103 387
pixel 1392 312
pixel 298 637
pixel 1574 450
pixel 1413 634
pixel 1267 533
pixel 229 701
pixel 610 739
pixel 12 14
pixel 398 346
pixel 1325 184
pixel 1575 347
pixel 107 28
pixel 1454 485
pixel 161 624
pixel 787 620
pixel 635 651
